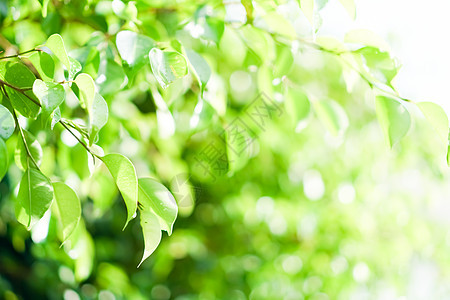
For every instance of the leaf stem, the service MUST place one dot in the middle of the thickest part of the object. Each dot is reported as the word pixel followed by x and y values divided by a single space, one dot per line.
pixel 21 53
pixel 21 133
pixel 78 139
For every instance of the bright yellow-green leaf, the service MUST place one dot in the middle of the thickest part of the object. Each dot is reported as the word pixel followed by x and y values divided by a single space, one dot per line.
pixel 67 208
pixel 124 174
pixel 19 75
pixel 394 119
pixel 151 231
pixel 133 47
pixel 332 115
pixel 50 94
pixel 156 197
pixel 7 124
pixel 56 44
pixel 86 86
pixel 167 66
pixel 44 64
pixel 34 198
pixel 201 67
pixel 297 107
pixel 21 155
pixel 437 118
pixel 98 116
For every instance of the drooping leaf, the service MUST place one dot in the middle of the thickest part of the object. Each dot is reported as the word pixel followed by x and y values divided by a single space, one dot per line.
pixel 394 119
pixel 201 67
pixel 297 107
pixel 437 118
pixel 21 155
pixel 284 62
pixel 34 198
pixel 56 117
pixel 67 208
pixel 213 29
pixel 111 77
pixel 56 44
pixel 332 115
pixel 51 95
pixel 378 64
pixel 167 66
pixel 124 174
pixel 75 67
pixel 7 124
pixel 156 197
pixel 133 47
pixel 279 25
pixel 98 116
pixel 151 231
pixel 44 64
pixel 25 102
pixel 83 245
pixel 3 159
pixel 86 85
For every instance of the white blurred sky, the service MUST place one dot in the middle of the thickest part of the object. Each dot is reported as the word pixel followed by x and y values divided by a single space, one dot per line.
pixel 417 31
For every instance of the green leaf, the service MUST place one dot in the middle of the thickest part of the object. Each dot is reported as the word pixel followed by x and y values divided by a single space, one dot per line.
pixel 133 47
pixel 67 208
pixel 44 4
pixel 111 77
pixel 394 119
pixel 82 244
pixel 56 117
pixel 7 124
pixel 21 156
pixel 332 115
pixel 56 44
pixel 34 198
pixel 213 29
pixel 86 86
pixel 75 67
pixel 350 7
pixel 3 159
pixel 20 76
pixel 378 64
pixel 98 116
pixel 124 174
pixel 284 62
pixel 307 7
pixel 297 107
pixel 51 95
pixel 367 38
pixel 151 231
pixel 156 197
pixel 201 67
pixel 437 118
pixel 167 66
pixel 44 64
pixel 279 24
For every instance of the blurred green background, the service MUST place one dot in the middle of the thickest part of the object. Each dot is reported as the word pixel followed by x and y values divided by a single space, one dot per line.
pixel 310 210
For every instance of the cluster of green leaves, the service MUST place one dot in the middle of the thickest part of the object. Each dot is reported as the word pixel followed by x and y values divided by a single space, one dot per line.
pixel 39 100
pixel 158 82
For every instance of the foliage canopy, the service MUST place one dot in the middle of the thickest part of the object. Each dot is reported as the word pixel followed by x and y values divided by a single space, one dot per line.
pixel 236 105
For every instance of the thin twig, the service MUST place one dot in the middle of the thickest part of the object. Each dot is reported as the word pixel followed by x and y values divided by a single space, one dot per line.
pixel 19 54
pixel 21 131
